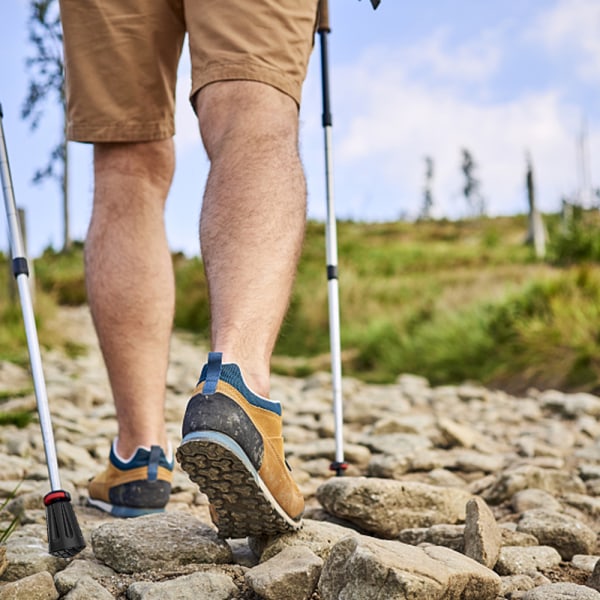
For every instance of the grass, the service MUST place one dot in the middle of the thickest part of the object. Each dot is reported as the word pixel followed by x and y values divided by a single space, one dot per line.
pixel 450 300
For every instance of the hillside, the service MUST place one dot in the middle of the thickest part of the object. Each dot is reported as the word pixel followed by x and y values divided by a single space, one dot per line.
pixel 449 300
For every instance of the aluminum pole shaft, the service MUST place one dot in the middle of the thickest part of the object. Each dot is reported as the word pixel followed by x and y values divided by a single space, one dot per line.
pixel 21 274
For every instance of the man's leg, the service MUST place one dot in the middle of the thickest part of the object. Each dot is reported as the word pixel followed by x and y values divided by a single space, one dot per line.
pixel 251 232
pixel 130 284
pixel 253 218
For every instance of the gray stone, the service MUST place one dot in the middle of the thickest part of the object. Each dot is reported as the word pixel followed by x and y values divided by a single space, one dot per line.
pixel 526 476
pixel 585 562
pixel 27 555
pixel 533 498
pixel 458 434
pixel 396 443
pixel 571 405
pixel 293 573
pixel 449 536
pixel 518 560
pixel 586 504
pixel 362 568
pixel 562 591
pixel 318 536
pixel 38 586
pixel 87 588
pixel 389 466
pixel 512 537
pixel 483 538
pixel 216 586
pixel 512 584
pixel 568 535
pixel 385 507
pixel 594 580
pixel 78 569
pixel 155 541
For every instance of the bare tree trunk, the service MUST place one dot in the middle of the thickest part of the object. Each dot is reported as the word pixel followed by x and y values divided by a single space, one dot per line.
pixel 65 189
pixel 537 232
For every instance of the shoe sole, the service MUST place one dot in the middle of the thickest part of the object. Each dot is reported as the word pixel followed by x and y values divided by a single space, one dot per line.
pixel 241 502
pixel 123 512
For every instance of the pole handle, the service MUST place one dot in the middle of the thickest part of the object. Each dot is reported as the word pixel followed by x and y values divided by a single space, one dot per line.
pixel 323 16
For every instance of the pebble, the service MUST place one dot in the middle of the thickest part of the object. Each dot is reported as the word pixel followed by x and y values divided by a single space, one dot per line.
pixel 452 492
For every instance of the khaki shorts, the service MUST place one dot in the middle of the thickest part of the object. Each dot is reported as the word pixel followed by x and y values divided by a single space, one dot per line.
pixel 121 57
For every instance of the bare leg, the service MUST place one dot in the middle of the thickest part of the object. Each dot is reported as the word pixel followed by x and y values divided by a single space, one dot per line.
pixel 130 285
pixel 253 218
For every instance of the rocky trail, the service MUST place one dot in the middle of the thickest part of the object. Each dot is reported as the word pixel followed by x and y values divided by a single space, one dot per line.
pixel 454 492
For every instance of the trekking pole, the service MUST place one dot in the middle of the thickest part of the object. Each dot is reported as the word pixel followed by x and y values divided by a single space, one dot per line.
pixel 338 465
pixel 64 536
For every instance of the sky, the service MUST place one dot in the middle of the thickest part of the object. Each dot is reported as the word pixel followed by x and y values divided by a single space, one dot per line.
pixel 408 81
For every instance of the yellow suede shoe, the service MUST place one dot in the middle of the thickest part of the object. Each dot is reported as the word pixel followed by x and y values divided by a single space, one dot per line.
pixel 232 448
pixel 139 486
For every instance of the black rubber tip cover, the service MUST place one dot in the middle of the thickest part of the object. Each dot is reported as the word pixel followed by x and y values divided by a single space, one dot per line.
pixel 64 536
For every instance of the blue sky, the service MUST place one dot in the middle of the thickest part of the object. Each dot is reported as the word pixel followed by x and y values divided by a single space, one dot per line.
pixel 408 80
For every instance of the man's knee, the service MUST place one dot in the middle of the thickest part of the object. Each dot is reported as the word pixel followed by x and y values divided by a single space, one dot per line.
pixel 248 111
pixel 153 162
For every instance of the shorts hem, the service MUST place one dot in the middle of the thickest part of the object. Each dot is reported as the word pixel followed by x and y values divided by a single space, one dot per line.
pixel 201 77
pixel 119 132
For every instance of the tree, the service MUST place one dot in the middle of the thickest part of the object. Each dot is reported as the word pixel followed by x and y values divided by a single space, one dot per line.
pixel 536 234
pixel 472 186
pixel 427 190
pixel 46 67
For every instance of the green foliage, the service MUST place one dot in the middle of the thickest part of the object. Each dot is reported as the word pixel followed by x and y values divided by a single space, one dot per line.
pixel 60 274
pixel 6 532
pixel 20 418
pixel 576 239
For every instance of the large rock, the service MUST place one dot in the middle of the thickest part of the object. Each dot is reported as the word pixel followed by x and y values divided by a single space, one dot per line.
pixel 293 573
pixel 568 535
pixel 157 541
pixel 385 507
pixel 363 568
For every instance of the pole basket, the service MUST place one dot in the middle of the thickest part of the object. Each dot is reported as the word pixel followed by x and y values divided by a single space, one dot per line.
pixel 64 536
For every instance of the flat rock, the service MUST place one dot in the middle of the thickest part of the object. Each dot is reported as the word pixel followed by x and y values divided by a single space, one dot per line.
pixel 293 573
pixel 385 507
pixel 563 532
pixel 519 560
pixel 155 541
pixel 216 586
pixel 371 569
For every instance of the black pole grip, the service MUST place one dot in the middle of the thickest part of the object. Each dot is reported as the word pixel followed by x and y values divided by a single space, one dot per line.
pixel 327 118
pixel 323 23
pixel 64 536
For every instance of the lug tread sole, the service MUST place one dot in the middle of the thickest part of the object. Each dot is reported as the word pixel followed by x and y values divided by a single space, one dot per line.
pixel 241 507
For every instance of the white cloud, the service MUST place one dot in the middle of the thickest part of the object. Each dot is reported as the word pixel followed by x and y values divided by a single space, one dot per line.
pixel 572 28
pixel 392 121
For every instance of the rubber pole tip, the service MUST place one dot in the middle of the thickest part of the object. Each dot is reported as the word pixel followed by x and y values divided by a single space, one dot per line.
pixel 64 535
